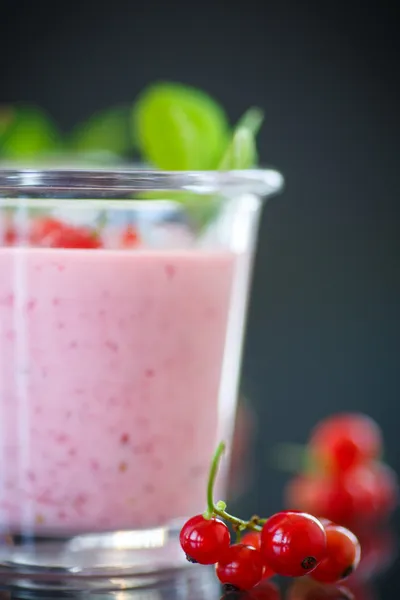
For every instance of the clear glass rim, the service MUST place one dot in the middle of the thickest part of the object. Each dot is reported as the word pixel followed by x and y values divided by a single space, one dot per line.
pixel 262 182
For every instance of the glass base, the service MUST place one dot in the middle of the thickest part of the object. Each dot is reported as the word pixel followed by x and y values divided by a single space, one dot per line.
pixel 111 561
pixel 194 584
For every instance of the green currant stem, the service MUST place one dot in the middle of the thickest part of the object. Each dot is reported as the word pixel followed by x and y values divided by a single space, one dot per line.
pixel 213 509
pixel 212 476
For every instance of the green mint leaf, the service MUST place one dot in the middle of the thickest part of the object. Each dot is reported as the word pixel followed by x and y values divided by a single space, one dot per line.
pixel 241 152
pixel 252 120
pixel 177 127
pixel 105 131
pixel 30 133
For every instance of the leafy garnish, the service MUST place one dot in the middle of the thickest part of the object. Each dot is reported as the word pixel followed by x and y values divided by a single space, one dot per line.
pixel 179 128
pixel 241 152
pixel 252 120
pixel 6 118
pixel 28 132
pixel 106 130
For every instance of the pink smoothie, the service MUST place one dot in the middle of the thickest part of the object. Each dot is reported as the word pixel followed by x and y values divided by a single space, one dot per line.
pixel 110 366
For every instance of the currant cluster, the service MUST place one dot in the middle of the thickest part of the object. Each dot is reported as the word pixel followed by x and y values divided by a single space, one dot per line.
pixel 346 481
pixel 289 543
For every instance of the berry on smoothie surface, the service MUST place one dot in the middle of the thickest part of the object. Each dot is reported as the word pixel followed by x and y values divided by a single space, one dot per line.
pixel 53 233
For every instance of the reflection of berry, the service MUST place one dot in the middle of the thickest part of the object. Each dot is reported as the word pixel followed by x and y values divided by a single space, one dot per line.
pixel 307 589
pixel 204 540
pixel 364 591
pixel 345 440
pixel 241 568
pixel 342 555
pixel 265 591
pixel 293 543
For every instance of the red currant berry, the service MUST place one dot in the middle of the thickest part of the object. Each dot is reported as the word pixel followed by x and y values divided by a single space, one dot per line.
pixel 325 522
pixel 267 572
pixel 293 543
pixel 204 541
pixel 130 237
pixel 52 233
pixel 252 538
pixel 43 229
pixel 77 238
pixel 8 233
pixel 345 440
pixel 241 568
pixel 342 555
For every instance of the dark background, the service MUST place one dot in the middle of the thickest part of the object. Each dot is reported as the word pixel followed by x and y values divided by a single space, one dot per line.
pixel 324 332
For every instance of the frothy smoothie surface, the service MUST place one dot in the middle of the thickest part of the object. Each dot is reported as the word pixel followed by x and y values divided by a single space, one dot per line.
pixel 110 365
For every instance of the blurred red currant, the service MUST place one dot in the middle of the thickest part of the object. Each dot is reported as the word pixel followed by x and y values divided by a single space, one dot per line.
pixel 342 555
pixel 374 491
pixel 366 493
pixel 293 543
pixel 241 568
pixel 320 496
pixel 342 441
pixel 204 541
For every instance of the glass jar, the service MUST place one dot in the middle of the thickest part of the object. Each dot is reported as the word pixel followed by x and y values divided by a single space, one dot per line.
pixel 122 310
